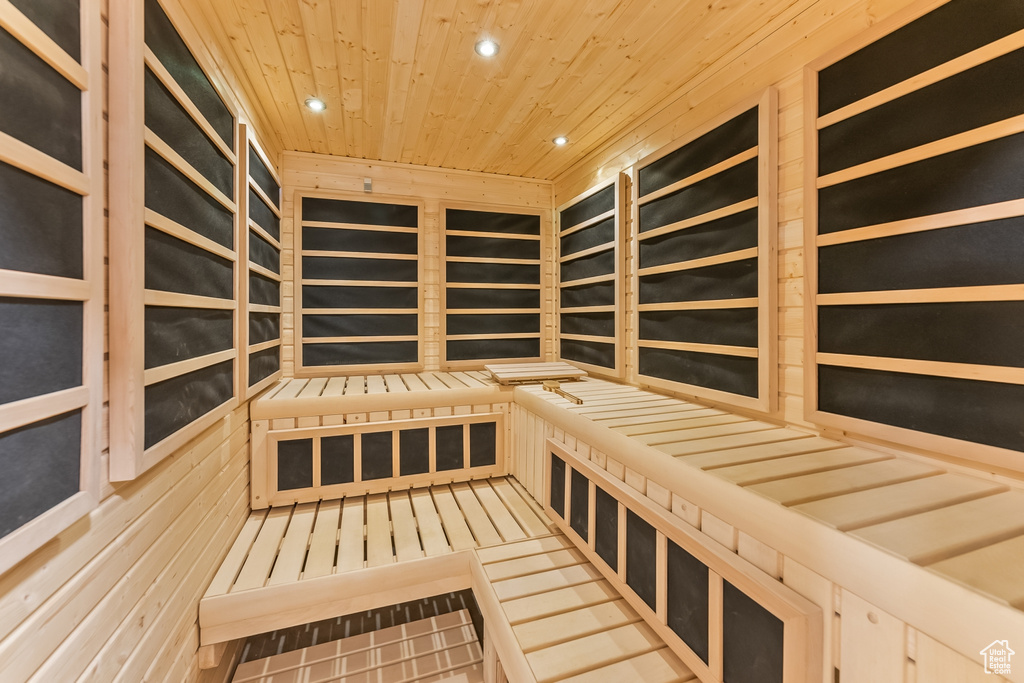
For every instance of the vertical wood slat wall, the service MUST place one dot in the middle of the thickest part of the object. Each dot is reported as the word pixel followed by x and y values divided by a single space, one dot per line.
pixel 259 330
pixel 358 285
pixel 915 233
pixel 492 308
pixel 51 272
pixel 591 326
pixel 704 212
pixel 173 301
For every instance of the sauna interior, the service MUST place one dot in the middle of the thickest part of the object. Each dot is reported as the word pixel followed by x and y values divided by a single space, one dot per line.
pixel 647 341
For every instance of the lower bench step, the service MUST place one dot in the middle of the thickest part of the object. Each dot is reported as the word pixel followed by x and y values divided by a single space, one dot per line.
pixel 441 648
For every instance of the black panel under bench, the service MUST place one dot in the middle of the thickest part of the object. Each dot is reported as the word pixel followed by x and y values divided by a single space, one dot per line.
pixel 700 232
pixel 352 254
pixel 492 264
pixel 589 253
pixel 903 282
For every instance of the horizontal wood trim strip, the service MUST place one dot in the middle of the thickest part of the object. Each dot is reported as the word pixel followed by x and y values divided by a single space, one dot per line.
pixel 265 272
pixel 263 346
pixel 587 309
pixel 255 187
pixel 355 226
pixel 42 45
pixel 492 311
pixel 565 232
pixel 586 252
pixel 26 157
pixel 154 142
pixel 262 308
pixel 588 338
pixel 702 175
pixel 359 283
pixel 951 68
pixel 984 373
pixel 165 77
pixel 699 220
pixel 355 340
pixel 975 214
pixel 700 262
pixel 608 277
pixel 35 286
pixel 913 296
pixel 977 136
pixel 361 255
pixel 743 351
pixel 513 335
pixel 359 311
pixel 165 372
pixel 501 261
pixel 492 235
pixel 258 229
pixel 166 225
pixel 490 285
pixel 711 304
pixel 175 299
pixel 37 408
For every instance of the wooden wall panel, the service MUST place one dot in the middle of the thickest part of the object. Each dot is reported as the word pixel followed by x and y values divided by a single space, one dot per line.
pixel 312 173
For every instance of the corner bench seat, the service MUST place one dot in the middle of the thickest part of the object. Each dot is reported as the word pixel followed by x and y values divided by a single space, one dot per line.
pixel 908 534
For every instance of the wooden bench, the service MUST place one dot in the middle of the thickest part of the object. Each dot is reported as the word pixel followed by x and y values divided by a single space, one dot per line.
pixel 909 534
pixel 323 438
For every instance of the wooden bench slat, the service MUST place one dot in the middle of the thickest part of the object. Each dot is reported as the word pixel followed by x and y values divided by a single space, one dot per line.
pixel 520 587
pixel 659 666
pixel 519 508
pixel 335 386
pixel 678 436
pixel 291 389
pixel 585 654
pixel 800 443
pixel 608 417
pixel 932 536
pixel 794 465
pixel 625 402
pixel 731 441
pixel 375 385
pixel 878 505
pixel 670 421
pixel 350 542
pixel 481 525
pixel 531 546
pixel 395 384
pixel 292 554
pixel 431 380
pixel 502 519
pixel 459 535
pixel 556 629
pixel 378 531
pixel 355 386
pixel 468 379
pixel 407 540
pixel 997 570
pixel 261 557
pixel 414 382
pixel 232 563
pixel 431 531
pixel 542 605
pixel 533 564
pixel 324 541
pixel 313 388
pixel 848 479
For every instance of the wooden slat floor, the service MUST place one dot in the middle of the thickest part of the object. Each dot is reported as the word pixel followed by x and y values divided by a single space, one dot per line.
pixel 569 622
pixel 289 544
pixel 441 648
pixel 966 528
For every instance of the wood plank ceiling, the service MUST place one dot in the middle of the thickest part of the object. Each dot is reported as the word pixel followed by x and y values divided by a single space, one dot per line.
pixel 402 83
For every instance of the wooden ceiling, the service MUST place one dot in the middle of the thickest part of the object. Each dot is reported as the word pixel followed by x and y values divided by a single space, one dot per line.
pixel 402 82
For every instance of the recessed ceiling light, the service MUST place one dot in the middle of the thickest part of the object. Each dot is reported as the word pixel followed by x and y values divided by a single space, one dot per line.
pixel 486 48
pixel 560 140
pixel 315 104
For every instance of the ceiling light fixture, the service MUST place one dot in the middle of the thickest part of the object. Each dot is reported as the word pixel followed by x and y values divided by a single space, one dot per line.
pixel 560 140
pixel 486 48
pixel 315 104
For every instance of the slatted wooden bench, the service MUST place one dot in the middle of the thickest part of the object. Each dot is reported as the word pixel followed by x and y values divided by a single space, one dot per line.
pixel 299 563
pixel 873 521
pixel 330 437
